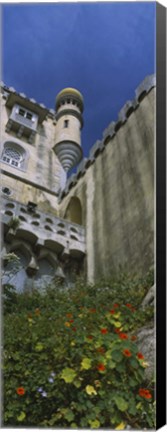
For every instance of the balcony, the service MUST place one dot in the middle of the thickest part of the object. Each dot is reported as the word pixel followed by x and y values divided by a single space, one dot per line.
pixel 23 122
pixel 43 230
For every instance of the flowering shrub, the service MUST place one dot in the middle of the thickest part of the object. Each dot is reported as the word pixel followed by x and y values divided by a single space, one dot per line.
pixel 71 359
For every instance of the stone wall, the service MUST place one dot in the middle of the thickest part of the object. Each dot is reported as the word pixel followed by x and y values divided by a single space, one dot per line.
pixel 116 190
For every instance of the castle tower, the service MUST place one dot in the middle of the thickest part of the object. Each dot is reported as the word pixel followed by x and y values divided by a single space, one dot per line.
pixel 69 108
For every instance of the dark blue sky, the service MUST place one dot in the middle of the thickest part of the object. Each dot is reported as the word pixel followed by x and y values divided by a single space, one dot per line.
pixel 103 49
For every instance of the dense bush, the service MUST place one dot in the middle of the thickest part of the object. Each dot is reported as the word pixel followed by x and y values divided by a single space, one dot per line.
pixel 71 358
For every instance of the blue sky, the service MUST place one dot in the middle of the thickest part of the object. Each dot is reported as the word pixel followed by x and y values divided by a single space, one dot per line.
pixel 103 49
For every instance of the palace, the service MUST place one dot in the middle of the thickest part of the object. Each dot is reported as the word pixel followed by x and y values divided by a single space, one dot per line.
pixel 93 221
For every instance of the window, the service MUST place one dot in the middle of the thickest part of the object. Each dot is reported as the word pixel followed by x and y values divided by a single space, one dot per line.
pixel 66 123
pixel 24 113
pixel 14 155
pixel 29 116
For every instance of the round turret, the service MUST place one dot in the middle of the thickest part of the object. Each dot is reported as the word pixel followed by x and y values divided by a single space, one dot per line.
pixel 69 108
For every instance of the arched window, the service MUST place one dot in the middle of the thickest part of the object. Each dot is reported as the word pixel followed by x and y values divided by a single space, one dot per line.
pixel 14 155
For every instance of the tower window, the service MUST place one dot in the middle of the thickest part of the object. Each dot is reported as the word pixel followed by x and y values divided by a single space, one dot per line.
pixel 66 123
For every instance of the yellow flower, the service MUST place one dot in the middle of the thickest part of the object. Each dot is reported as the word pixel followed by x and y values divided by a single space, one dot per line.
pixel 144 364
pixel 67 324
pixel 121 426
pixel 94 424
pixel 90 390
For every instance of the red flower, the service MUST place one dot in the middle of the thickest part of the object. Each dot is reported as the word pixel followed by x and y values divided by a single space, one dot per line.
pixel 129 305
pixel 90 337
pixel 71 321
pixel 145 393
pixel 133 338
pixel 123 336
pixel 104 330
pixel 116 305
pixel 140 356
pixel 92 310
pixel 74 329
pixel 148 395
pixel 20 391
pixel 101 367
pixel 127 353
pixel 112 311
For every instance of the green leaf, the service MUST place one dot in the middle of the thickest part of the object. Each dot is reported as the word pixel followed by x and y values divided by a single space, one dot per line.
pixel 121 403
pixel 111 364
pixel 39 347
pixel 69 416
pixel 134 363
pixel 117 356
pixel 121 367
pixel 21 417
pixel 77 383
pixel 68 375
pixel 132 382
pixel 132 408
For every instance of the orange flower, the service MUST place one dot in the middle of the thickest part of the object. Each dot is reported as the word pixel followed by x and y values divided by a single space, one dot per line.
pixel 127 353
pixel 112 311
pixel 104 330
pixel 67 324
pixel 140 356
pixel 101 350
pixel 37 311
pixel 123 336
pixel 69 315
pixel 101 367
pixel 92 310
pixel 133 338
pixel 145 393
pixel 20 391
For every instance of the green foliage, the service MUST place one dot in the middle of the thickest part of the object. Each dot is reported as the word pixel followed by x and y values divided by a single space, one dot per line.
pixel 71 361
pixel 14 222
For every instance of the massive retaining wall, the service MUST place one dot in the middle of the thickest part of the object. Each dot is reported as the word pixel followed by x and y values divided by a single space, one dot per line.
pixel 115 187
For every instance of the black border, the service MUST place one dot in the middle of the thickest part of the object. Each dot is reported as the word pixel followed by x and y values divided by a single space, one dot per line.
pixel 161 216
